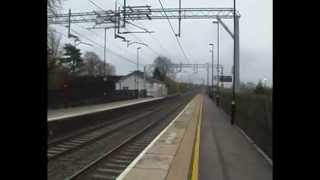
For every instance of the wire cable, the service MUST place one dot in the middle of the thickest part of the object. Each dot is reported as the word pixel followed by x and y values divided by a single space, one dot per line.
pixel 96 5
pixel 102 47
pixel 175 35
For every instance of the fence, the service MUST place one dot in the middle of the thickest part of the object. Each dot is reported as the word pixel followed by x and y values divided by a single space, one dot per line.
pixel 76 97
pixel 88 90
pixel 253 115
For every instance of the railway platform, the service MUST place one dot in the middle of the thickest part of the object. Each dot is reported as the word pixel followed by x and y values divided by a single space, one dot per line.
pixel 225 152
pixel 170 154
pixel 57 114
pixel 199 143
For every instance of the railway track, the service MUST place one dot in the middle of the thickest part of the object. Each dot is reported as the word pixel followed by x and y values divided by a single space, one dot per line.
pixel 86 151
pixel 109 165
pixel 70 144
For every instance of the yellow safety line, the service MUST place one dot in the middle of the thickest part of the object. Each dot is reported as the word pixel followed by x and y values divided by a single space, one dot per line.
pixel 195 165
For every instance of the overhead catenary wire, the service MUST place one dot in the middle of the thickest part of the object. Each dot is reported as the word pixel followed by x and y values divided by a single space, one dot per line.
pixel 96 5
pixel 160 44
pixel 99 36
pixel 99 7
pixel 136 37
pixel 100 46
pixel 150 48
pixel 174 32
pixel 155 39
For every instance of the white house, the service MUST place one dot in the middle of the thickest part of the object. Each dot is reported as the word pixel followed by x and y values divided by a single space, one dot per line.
pixel 136 80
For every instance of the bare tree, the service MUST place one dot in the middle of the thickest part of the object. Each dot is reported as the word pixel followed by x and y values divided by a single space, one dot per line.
pixel 110 69
pixel 53 5
pixel 93 66
pixel 163 65
pixel 54 42
pixel 53 49
pixel 91 61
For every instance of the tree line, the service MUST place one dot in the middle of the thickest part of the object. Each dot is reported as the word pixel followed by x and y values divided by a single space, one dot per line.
pixel 259 88
pixel 67 62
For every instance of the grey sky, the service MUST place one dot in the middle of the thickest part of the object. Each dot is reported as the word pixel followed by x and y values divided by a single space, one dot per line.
pixel 255 37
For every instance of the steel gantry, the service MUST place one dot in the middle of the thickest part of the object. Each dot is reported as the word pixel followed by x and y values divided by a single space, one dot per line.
pixel 118 18
pixel 142 13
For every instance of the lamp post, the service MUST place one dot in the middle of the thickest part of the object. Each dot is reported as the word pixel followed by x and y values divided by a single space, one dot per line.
pixel 137 80
pixel 128 44
pixel 211 44
pixel 104 49
pixel 218 65
pixel 104 53
pixel 233 103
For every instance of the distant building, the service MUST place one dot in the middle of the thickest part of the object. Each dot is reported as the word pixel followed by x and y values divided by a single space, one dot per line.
pixel 136 80
pixel 111 81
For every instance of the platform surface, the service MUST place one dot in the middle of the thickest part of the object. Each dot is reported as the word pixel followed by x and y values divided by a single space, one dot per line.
pixel 169 155
pixel 225 154
pixel 57 114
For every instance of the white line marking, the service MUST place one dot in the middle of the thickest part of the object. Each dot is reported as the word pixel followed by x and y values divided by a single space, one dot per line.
pixel 264 155
pixel 100 109
pixel 134 162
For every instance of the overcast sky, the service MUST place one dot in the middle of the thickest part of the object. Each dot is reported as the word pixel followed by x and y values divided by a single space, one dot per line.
pixel 255 38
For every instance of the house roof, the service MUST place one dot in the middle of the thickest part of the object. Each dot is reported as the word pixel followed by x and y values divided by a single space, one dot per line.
pixel 141 74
